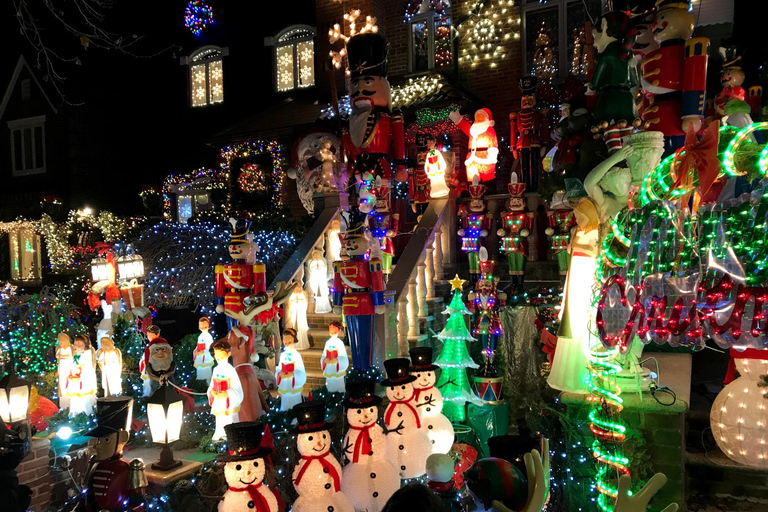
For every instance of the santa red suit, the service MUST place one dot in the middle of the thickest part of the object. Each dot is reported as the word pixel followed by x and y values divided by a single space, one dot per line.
pixel 483 148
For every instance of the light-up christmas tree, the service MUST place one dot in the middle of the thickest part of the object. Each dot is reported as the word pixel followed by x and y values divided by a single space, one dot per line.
pixel 454 358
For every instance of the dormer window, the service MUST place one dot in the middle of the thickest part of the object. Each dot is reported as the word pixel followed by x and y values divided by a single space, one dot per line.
pixel 294 57
pixel 206 75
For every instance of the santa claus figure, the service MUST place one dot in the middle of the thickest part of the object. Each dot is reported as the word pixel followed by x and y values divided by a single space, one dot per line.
pixel 158 362
pixel 483 149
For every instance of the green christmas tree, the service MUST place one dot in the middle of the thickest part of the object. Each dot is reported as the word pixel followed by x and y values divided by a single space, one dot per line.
pixel 454 358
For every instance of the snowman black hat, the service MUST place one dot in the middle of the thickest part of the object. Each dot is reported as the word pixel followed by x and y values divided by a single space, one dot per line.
pixel 310 417
pixel 421 360
pixel 244 442
pixel 361 394
pixel 397 372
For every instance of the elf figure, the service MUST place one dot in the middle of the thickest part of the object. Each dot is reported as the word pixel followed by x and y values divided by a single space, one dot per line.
pixel 317 476
pixel 368 479
pixel 484 303
pixel 290 374
pixel 528 135
pixel 435 168
pixel 81 381
pixel 384 227
pixel 676 74
pixel 203 359
pixel 334 361
pixel 358 292
pixel 373 126
pixel 244 469
pixel 515 225
pixel 64 355
pixel 475 225
pixel 110 361
pixel 225 394
pixel 418 183
pixel 113 481
pixel 483 148
pixel 407 443
pixel 429 400
pixel 238 283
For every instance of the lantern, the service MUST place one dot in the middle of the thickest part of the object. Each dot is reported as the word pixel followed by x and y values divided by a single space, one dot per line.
pixel 165 411
pixel 130 266
pixel 14 399
pixel 100 269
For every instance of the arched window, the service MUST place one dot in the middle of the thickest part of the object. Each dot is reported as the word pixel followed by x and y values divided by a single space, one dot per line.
pixel 294 57
pixel 206 75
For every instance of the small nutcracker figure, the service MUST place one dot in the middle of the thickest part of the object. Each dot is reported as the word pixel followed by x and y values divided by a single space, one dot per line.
pixel 515 226
pixel 418 182
pixel 238 282
pixel 676 74
pixel 475 225
pixel 384 227
pixel 528 135
pixel 358 292
pixel 484 303
pixel 113 482
pixel 373 126
pixel 560 222
pixel 731 78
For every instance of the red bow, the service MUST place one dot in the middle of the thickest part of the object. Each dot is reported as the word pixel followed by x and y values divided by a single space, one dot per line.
pixel 407 403
pixel 326 465
pixel 701 156
pixel 103 247
pixel 364 443
pixel 258 499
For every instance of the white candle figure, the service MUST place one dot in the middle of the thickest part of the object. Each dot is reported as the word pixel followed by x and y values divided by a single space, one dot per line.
pixel 64 355
pixel 290 373
pixel 317 476
pixel 334 362
pixel 203 359
pixel 153 332
pixel 110 361
pixel 91 368
pixel 368 479
pixel 244 469
pixel 407 444
pixel 435 167
pixel 333 252
pixel 80 384
pixel 429 400
pixel 296 317
pixel 317 283
pixel 225 394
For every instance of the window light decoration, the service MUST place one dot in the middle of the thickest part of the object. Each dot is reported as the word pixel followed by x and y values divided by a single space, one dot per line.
pixel 338 33
pixel 206 76
pixel 294 58
pixel 487 30
pixel 197 16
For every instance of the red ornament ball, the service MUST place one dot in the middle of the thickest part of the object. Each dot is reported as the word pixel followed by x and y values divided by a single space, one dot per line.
pixel 497 479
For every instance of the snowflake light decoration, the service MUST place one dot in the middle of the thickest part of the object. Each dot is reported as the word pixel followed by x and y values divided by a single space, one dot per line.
pixel 489 27
pixel 337 33
pixel 197 16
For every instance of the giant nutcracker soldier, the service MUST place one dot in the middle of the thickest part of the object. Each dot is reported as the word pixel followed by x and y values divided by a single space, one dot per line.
pixel 238 283
pixel 515 225
pixel 358 292
pixel 373 126
pixel 475 225
pixel 528 135
pixel 676 75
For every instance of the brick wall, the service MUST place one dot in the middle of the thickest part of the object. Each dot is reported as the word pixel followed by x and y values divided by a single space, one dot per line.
pixel 34 471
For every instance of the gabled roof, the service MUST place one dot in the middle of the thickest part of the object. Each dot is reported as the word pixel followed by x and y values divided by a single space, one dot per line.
pixel 21 64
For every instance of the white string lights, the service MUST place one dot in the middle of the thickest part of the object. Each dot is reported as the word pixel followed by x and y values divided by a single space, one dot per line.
pixel 490 26
pixel 337 33
pixel 414 89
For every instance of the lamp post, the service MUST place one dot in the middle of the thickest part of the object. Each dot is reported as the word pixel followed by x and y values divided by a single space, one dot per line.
pixel 14 404
pixel 165 411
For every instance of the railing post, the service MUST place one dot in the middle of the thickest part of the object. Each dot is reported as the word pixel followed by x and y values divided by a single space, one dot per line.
pixel 438 248
pixel 421 288
pixel 402 327
pixel 430 260
pixel 413 307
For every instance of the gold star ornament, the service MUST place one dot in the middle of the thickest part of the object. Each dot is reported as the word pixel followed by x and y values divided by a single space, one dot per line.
pixel 457 283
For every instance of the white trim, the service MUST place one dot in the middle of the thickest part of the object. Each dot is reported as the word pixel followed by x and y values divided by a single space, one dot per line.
pixel 22 63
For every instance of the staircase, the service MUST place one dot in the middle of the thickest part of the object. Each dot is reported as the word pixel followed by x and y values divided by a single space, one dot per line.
pixel 318 334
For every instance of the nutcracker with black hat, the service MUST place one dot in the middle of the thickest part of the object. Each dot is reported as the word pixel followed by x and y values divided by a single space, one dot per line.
pixel 528 135
pixel 317 475
pixel 112 480
pixel 515 225
pixel 373 126
pixel 429 400
pixel 358 291
pixel 245 464
pixel 731 78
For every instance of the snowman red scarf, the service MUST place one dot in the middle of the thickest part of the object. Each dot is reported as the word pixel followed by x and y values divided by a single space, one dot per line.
pixel 326 465
pixel 363 443
pixel 406 403
pixel 258 499
pixel 417 393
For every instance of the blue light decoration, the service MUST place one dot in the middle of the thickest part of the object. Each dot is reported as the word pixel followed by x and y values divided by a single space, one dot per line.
pixel 197 16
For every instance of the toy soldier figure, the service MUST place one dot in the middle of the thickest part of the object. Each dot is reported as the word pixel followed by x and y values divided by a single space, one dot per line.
pixel 238 283
pixel 484 303
pixel 358 292
pixel 418 184
pixel 384 227
pixel 515 226
pixel 528 128
pixel 475 225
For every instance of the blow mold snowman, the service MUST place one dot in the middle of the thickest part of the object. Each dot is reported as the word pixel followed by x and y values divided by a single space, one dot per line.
pixel 429 400
pixel 369 479
pixel 244 469
pixel 317 476
pixel 408 446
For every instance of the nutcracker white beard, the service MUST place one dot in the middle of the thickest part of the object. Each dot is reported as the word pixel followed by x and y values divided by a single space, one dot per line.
pixel 361 118
pixel 479 127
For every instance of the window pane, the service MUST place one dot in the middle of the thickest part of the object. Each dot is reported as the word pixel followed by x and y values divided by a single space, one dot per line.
pixel 184 208
pixel 28 148
pixel 534 22
pixel 420 46
pixel 18 156
pixel 284 68
pixel 443 47
pixel 39 148
pixel 216 82
pixel 576 17
pixel 197 77
pixel 306 53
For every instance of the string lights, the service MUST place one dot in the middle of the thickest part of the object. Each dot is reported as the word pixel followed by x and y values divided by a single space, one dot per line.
pixel 415 89
pixel 339 33
pixel 254 148
pixel 197 16
pixel 489 27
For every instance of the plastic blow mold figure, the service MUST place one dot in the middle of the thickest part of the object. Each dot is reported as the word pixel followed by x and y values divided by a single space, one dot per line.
pixel 225 394
pixel 429 400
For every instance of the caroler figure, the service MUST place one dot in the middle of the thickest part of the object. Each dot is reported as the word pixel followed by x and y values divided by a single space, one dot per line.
pixel 475 225
pixel 203 359
pixel 290 374
pixel 64 355
pixel 81 381
pixel 515 225
pixel 528 134
pixel 334 361
pixel 225 394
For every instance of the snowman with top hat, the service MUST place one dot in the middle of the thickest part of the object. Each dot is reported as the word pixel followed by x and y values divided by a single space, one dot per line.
pixel 317 476
pixel 407 444
pixel 245 468
pixel 369 479
pixel 429 400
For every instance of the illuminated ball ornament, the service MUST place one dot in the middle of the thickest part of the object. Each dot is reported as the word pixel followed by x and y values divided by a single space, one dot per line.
pixel 317 476
pixel 739 416
pixel 429 400
pixel 244 469
pixel 197 16
pixel 495 479
pixel 369 479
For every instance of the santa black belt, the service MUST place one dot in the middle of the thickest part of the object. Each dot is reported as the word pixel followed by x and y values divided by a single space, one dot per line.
pixel 372 156
pixel 358 290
